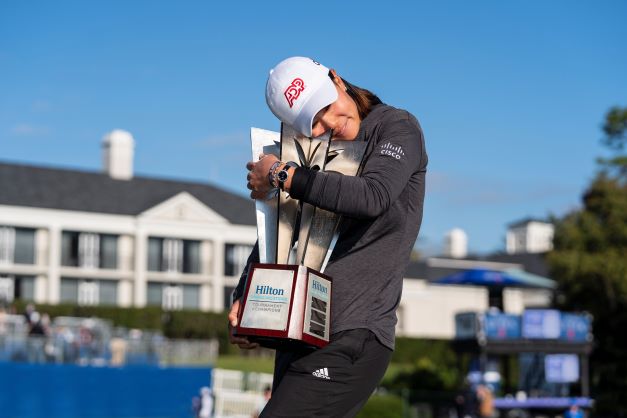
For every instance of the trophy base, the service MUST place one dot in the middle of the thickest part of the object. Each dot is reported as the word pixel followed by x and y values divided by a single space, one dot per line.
pixel 285 306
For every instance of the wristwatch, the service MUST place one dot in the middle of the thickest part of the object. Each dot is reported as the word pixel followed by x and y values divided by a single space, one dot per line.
pixel 283 174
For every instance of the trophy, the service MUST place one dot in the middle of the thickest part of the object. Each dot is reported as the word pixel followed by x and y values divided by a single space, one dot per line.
pixel 287 298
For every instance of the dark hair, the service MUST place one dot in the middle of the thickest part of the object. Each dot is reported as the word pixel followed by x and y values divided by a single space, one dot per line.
pixel 364 99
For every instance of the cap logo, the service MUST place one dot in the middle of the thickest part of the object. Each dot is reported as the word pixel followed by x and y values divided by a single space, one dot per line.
pixel 293 91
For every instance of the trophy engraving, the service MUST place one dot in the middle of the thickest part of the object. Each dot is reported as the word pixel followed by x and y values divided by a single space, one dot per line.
pixel 308 153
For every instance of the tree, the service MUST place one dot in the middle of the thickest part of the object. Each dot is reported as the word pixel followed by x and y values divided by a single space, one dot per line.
pixel 589 261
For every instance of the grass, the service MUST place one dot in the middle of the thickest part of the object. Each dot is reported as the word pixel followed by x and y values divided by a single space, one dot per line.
pixel 245 364
pixel 266 365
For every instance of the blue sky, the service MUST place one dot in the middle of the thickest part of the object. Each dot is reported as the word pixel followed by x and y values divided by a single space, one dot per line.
pixel 511 95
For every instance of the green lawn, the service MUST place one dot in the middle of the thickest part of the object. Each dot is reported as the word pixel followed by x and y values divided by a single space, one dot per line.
pixel 245 364
pixel 266 365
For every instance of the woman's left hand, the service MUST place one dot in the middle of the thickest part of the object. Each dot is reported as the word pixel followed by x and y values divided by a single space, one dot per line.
pixel 258 181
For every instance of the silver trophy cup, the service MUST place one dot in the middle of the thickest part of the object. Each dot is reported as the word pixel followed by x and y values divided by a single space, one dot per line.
pixel 287 298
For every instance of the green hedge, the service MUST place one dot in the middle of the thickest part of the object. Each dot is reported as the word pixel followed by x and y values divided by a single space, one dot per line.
pixel 409 352
pixel 173 324
pixel 426 365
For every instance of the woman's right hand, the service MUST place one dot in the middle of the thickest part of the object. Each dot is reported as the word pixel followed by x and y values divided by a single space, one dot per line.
pixel 242 342
pixel 257 179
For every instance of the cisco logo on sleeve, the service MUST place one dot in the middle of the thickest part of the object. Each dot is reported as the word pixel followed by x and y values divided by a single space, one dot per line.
pixel 394 151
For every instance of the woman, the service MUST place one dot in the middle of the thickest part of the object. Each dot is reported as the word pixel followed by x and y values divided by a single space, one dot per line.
pixel 381 215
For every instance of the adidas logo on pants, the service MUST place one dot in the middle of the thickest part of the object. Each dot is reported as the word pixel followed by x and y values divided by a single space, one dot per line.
pixel 322 373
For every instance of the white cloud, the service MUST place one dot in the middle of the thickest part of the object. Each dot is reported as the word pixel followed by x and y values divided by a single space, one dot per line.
pixel 26 129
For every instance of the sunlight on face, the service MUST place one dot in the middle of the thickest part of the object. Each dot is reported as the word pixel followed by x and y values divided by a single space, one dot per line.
pixel 342 116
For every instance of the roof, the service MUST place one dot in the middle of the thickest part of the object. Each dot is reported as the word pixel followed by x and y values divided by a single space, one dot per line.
pixel 64 189
pixel 533 263
pixel 525 221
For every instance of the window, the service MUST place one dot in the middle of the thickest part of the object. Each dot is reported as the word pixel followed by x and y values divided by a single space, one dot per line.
pixel 173 255
pixel 154 295
pixel 17 245
pixel 191 296
pixel 86 292
pixel 69 291
pixel 228 293
pixel 235 258
pixel 24 251
pixel 108 251
pixel 173 296
pixel 155 249
pixel 7 244
pixel 6 289
pixel 191 256
pixel 69 249
pixel 18 287
pixel 24 287
pixel 108 293
pixel 89 250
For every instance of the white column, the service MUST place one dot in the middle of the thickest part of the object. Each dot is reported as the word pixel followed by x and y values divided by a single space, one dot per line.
pixel 206 269
pixel 126 262
pixel 42 237
pixel 217 282
pixel 205 297
pixel 40 287
pixel 125 293
pixel 125 253
pixel 54 264
pixel 140 283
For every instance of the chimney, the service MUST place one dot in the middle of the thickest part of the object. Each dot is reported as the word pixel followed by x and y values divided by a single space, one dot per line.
pixel 456 243
pixel 117 154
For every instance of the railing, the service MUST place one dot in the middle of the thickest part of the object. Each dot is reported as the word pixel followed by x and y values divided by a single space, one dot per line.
pixel 117 351
pixel 238 394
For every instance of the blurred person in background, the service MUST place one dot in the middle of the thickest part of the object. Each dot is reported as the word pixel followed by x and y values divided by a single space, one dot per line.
pixel 265 397
pixel 206 403
pixel 36 339
pixel 574 412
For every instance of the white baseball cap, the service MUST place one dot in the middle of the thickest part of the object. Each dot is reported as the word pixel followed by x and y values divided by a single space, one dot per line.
pixel 297 89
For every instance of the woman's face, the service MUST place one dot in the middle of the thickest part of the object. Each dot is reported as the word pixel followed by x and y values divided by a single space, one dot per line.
pixel 342 115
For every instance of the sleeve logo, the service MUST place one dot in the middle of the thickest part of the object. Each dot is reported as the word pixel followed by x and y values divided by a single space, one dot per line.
pixel 394 151
pixel 293 90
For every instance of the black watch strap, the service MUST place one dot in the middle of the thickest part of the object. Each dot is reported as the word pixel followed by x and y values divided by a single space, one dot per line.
pixel 283 174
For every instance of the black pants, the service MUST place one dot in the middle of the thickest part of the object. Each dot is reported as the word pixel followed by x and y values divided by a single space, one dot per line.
pixel 334 381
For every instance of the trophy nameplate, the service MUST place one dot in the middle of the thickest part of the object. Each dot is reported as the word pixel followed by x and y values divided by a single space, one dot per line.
pixel 291 303
pixel 286 303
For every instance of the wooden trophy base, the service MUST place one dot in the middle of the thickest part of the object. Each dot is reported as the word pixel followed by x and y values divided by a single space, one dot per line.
pixel 285 304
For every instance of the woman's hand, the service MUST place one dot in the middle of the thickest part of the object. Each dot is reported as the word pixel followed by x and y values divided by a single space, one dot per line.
pixel 242 342
pixel 258 181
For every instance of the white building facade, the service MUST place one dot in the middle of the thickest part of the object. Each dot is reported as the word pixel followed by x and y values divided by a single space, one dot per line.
pixel 529 236
pixel 114 239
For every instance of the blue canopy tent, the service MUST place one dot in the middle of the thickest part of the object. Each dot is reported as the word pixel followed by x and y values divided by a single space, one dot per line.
pixel 498 278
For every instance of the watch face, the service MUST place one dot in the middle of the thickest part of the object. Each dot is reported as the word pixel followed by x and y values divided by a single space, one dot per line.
pixel 282 175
